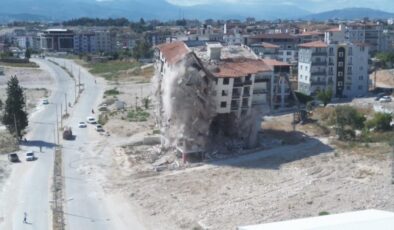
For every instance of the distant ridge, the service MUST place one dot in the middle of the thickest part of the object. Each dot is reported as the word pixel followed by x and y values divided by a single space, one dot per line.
pixel 350 14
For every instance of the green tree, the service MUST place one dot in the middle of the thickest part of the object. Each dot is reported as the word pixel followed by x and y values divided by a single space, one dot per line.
pixel 28 53
pixel 325 96
pixel 380 122
pixel 347 120
pixel 15 118
pixel 142 50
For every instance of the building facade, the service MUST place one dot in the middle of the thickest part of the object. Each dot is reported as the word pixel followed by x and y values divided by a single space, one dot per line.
pixel 340 67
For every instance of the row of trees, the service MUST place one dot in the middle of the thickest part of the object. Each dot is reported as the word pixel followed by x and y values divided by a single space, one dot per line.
pixel 14 117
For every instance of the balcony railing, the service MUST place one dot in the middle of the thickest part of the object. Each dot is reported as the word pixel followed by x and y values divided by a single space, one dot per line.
pixel 259 80
pixel 319 53
pixel 246 94
pixel 318 83
pixel 247 82
pixel 319 63
pixel 318 73
pixel 330 63
pixel 236 95
pixel 259 91
pixel 238 83
pixel 234 107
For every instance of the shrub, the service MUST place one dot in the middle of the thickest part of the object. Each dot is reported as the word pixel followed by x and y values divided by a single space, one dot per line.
pixel 112 92
pixel 347 119
pixel 324 213
pixel 380 122
pixel 325 96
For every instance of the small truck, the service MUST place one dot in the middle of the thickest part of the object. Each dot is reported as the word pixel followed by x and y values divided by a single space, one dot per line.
pixel 67 133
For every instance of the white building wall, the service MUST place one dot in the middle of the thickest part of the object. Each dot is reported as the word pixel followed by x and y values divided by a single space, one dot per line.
pixel 219 88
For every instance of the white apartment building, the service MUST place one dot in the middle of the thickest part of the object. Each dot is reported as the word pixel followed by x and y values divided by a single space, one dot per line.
pixel 340 67
pixel 85 42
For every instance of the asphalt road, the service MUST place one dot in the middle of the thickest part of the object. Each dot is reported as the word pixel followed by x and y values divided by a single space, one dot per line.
pixel 86 204
pixel 28 188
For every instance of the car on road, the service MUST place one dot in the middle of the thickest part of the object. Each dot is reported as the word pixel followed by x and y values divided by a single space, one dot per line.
pixel 99 128
pixel 30 156
pixel 385 99
pixel 13 157
pixel 45 102
pixel 82 124
pixel 91 120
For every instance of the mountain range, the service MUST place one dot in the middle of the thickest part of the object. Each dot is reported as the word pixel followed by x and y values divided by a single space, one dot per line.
pixel 58 10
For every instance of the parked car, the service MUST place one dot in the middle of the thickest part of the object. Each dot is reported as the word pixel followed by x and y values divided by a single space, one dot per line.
pixel 91 120
pixel 385 99
pixel 45 102
pixel 99 128
pixel 82 124
pixel 13 157
pixel 30 156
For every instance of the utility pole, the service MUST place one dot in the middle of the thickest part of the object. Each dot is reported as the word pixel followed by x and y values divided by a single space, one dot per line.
pixel 65 99
pixel 61 114
pixel 57 124
pixel 79 80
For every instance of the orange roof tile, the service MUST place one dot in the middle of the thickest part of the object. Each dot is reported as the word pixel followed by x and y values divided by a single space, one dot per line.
pixel 273 62
pixel 173 52
pixel 241 67
pixel 314 44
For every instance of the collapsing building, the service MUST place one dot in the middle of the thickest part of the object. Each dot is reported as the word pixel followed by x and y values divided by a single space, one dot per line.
pixel 211 95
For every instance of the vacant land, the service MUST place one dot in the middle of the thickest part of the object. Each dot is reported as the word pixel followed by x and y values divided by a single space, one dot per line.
pixel 21 65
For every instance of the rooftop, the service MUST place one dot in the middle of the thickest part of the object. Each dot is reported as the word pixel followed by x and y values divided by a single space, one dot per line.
pixel 240 67
pixel 173 52
pixel 274 36
pixel 314 44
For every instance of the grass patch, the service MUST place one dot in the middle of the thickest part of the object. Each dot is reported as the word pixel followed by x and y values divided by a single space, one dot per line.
pixel 112 92
pixel 110 69
pixel 22 65
pixel 137 115
pixel 324 213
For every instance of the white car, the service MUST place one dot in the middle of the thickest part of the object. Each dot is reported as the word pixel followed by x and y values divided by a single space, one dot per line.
pixel 91 120
pixel 45 102
pixel 30 156
pixel 81 124
pixel 385 99
pixel 99 128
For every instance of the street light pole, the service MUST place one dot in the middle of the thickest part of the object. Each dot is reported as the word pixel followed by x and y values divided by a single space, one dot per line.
pixel 65 98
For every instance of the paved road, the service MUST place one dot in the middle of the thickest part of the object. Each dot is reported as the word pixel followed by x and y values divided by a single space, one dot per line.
pixel 28 188
pixel 87 206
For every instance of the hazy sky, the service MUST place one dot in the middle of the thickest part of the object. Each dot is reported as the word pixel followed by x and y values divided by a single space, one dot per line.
pixel 311 5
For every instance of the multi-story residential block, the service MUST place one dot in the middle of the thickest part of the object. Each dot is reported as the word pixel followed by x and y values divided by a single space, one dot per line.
pixel 369 33
pixel 266 50
pixel 240 86
pixel 287 45
pixel 340 67
pixel 85 42
pixel 310 36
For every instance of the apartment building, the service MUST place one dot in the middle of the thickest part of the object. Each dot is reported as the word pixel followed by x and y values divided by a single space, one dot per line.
pixel 369 33
pixel 341 67
pixel 287 45
pixel 240 86
pixel 265 50
pixel 85 42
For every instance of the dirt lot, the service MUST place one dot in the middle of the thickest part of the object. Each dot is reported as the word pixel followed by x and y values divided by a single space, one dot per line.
pixel 36 83
pixel 294 179
pixel 297 175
